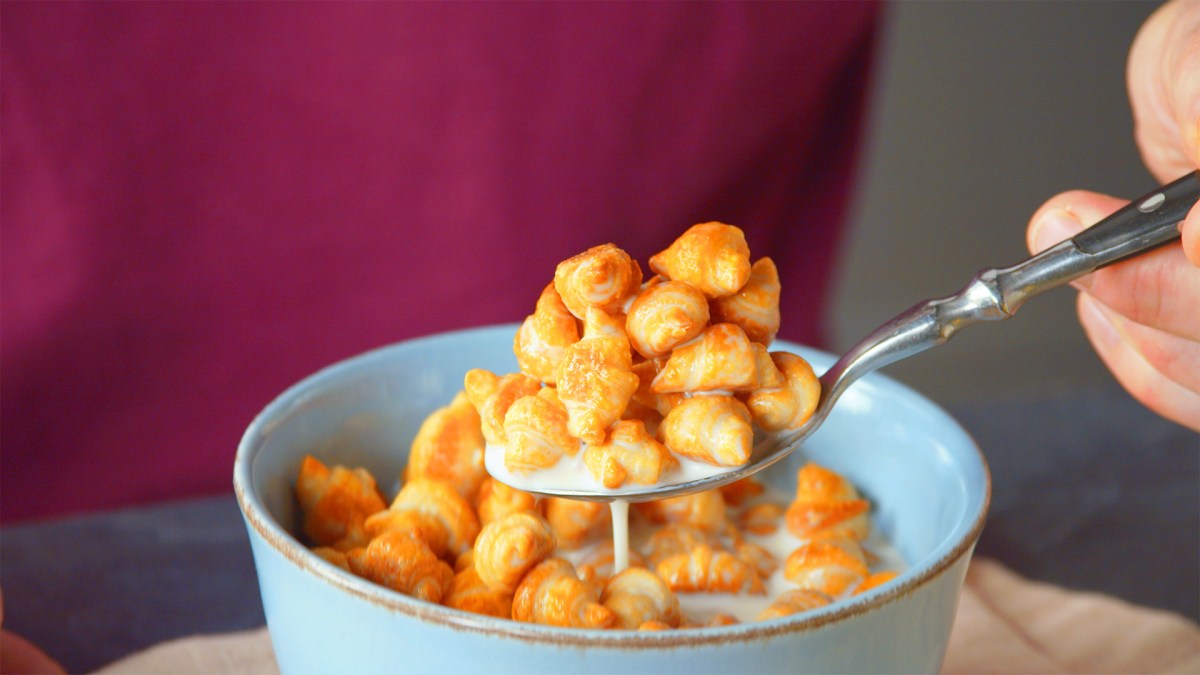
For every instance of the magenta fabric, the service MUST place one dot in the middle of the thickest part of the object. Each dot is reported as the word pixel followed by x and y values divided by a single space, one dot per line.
pixel 205 202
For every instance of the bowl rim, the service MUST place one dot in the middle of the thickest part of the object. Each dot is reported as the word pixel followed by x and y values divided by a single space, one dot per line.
pixel 289 547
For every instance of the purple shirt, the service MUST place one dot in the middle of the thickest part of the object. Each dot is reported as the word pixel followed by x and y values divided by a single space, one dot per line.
pixel 205 202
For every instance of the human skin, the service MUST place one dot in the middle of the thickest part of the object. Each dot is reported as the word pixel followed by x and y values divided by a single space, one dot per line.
pixel 1143 315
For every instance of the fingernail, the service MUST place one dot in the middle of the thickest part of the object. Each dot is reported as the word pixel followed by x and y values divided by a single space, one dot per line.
pixel 1053 227
pixel 1100 324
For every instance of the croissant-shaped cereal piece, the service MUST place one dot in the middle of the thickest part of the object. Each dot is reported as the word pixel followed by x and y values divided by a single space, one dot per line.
pixel 417 524
pixel 831 566
pixel 875 580
pixel 637 596
pixel 595 379
pixel 543 338
pixel 630 454
pixel 536 428
pixel 826 506
pixel 737 492
pixel 492 395
pixel 653 626
pixel 789 406
pixel 767 375
pixel 470 594
pixel 332 556
pixel 704 510
pixel 721 359
pixel 596 568
pixel 665 315
pixel 603 277
pixel 449 446
pixel 674 539
pixel 794 602
pixel 575 522
pixel 761 519
pixel 441 501
pixel 509 547
pixel 712 257
pixel 335 503
pixel 721 619
pixel 553 594
pixel 496 500
pixel 757 557
pixel 708 570
pixel 755 307
pixel 403 564
pixel 711 428
pixel 646 371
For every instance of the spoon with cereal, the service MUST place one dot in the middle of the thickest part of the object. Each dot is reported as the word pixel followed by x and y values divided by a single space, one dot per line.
pixel 670 389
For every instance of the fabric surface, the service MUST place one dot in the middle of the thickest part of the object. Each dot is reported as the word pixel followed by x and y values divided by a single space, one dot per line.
pixel 1005 624
pixel 206 202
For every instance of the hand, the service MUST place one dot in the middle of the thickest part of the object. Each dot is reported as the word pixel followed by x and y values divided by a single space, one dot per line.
pixel 1143 315
pixel 18 655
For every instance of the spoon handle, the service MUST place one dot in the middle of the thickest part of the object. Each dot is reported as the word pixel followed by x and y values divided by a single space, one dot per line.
pixel 996 294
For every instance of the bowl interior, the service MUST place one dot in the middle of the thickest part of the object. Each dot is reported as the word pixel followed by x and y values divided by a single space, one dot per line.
pixel 924 475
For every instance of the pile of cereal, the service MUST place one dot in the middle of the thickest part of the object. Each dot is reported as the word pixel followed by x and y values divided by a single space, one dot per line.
pixel 637 377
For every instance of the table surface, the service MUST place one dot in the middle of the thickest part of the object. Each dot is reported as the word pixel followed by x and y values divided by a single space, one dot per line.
pixel 1089 491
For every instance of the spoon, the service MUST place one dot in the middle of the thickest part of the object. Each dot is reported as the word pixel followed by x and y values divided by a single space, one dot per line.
pixel 992 295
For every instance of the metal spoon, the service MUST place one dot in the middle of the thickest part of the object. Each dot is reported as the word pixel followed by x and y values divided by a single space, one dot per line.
pixel 993 295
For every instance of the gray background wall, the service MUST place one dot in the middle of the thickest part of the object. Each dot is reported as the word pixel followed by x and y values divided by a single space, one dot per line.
pixel 982 111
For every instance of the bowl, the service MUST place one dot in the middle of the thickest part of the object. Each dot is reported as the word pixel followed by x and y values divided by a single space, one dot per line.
pixel 926 479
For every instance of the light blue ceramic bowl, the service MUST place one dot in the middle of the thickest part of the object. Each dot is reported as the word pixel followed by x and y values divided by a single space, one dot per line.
pixel 925 476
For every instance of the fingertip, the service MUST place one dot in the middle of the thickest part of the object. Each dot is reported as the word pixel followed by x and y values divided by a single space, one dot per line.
pixel 1190 229
pixel 1051 226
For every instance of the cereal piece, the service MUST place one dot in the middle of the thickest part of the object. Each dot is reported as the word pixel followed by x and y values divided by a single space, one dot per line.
pixel 757 557
pixel 335 503
pixel 876 580
pixel 673 539
pixel 630 454
pixel 403 564
pixel 575 522
pixel 755 307
pixel 708 570
pixel 649 417
pixel 441 502
pixel 492 395
pixel 416 524
pixel 794 602
pixel 536 428
pixel 826 506
pixel 603 277
pixel 761 519
pixel 646 371
pixel 543 338
pixel 470 594
pixel 597 566
pixel 665 315
pixel 704 510
pixel 509 547
pixel 712 428
pixel 739 491
pixel 553 594
pixel 712 257
pixel 766 374
pixel 722 359
pixel 721 619
pixel 595 380
pixel 832 566
pixel 637 596
pixel 495 500
pixel 650 626
pixel 332 556
pixel 789 406
pixel 449 446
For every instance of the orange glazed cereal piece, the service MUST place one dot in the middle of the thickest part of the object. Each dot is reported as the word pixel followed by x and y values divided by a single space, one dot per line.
pixel 597 566
pixel 704 510
pixel 794 602
pixel 637 596
pixel 495 500
pixel 708 570
pixel 722 359
pixel 665 315
pixel 789 406
pixel 509 547
pixel 876 580
pixel 335 503
pixel 673 539
pixel 553 594
pixel 826 506
pixel 575 522
pixel 492 395
pixel 646 371
pixel 468 593
pixel 832 566
pixel 739 491
pixel 755 307
pixel 332 556
pixel 603 277
pixel 536 428
pixel 713 428
pixel 439 501
pixel 543 338
pixel 595 378
pixel 712 257
pixel 403 564
pixel 630 454
pixel 757 557
pixel 449 446
pixel 761 519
